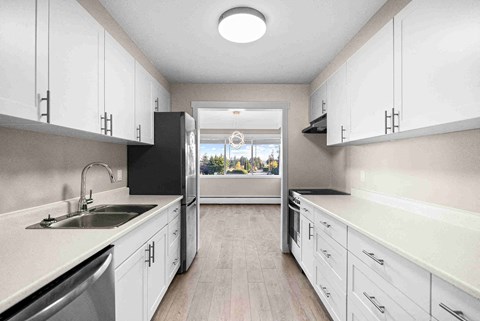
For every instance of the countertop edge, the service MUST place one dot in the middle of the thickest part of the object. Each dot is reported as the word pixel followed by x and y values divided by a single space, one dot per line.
pixel 430 268
pixel 21 294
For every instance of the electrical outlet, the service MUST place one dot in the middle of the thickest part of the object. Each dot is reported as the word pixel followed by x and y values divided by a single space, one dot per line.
pixel 362 176
pixel 119 175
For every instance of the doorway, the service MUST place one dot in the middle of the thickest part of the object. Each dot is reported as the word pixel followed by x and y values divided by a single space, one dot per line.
pixel 261 156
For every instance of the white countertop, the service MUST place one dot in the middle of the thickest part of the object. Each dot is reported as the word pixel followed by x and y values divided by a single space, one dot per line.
pixel 32 258
pixel 450 251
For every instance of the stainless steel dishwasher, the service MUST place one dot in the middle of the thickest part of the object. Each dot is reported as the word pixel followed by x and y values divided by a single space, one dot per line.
pixel 87 292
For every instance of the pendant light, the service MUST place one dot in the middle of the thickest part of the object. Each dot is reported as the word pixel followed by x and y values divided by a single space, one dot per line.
pixel 242 25
pixel 236 139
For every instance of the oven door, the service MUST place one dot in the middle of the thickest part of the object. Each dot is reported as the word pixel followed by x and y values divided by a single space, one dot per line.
pixel 294 222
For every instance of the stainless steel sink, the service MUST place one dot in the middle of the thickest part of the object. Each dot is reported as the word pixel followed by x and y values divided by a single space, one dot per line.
pixel 98 217
pixel 127 208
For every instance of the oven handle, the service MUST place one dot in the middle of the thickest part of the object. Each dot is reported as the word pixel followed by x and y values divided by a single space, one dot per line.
pixel 293 208
pixel 78 283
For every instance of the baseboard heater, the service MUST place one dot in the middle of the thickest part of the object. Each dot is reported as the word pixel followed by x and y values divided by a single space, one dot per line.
pixel 241 200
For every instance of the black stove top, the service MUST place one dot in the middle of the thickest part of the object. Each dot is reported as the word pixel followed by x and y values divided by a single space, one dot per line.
pixel 314 191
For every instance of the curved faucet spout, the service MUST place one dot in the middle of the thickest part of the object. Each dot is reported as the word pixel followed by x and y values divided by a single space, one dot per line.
pixel 83 202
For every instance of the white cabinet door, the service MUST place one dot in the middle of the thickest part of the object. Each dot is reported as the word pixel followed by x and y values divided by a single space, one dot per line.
pixel 161 98
pixel 318 103
pixel 156 272
pixel 119 89
pixel 307 234
pixel 144 104
pixel 370 85
pixel 17 59
pixel 437 62
pixel 130 288
pixel 76 44
pixel 338 120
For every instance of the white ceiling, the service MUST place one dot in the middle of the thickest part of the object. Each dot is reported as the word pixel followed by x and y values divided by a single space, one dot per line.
pixel 180 37
pixel 247 119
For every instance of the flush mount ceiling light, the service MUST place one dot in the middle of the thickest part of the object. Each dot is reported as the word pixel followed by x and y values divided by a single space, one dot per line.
pixel 242 25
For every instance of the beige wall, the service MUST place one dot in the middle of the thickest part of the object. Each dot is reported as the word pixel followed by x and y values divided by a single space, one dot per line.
pixel 37 169
pixel 240 187
pixel 382 16
pixel 95 8
pixel 442 169
pixel 309 161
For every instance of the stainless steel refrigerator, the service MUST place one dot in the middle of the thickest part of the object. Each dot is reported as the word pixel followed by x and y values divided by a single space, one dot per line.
pixel 169 167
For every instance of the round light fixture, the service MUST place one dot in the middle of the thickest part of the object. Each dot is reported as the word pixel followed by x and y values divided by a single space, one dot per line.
pixel 242 25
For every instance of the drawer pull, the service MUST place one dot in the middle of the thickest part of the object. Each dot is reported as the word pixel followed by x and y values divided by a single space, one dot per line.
pixel 175 262
pixel 325 224
pixel 324 290
pixel 175 233
pixel 372 256
pixel 325 253
pixel 306 210
pixel 457 314
pixel 175 210
pixel 372 299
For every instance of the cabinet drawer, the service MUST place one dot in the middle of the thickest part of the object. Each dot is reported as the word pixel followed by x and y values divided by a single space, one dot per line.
pixel 383 301
pixel 331 227
pixel 129 243
pixel 450 303
pixel 307 210
pixel 173 230
pixel 332 296
pixel 334 255
pixel 409 278
pixel 173 261
pixel 174 211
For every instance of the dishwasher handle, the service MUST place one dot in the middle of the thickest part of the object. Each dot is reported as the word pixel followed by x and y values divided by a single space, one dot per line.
pixel 67 291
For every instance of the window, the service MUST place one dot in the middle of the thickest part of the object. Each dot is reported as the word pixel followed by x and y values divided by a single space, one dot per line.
pixel 256 158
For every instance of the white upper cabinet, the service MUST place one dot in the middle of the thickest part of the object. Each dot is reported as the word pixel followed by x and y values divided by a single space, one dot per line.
pixel 437 62
pixel 318 103
pixel 338 120
pixel 119 90
pixel 370 85
pixel 76 64
pixel 162 98
pixel 144 104
pixel 17 58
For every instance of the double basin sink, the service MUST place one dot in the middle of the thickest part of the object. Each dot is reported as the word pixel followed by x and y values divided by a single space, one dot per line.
pixel 101 216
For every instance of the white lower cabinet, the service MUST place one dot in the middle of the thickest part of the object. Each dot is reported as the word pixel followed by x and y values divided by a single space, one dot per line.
pixel 130 288
pixel 330 291
pixel 451 304
pixel 307 235
pixel 145 267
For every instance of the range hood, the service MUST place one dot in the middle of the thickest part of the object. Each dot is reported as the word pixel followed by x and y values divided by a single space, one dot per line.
pixel 317 126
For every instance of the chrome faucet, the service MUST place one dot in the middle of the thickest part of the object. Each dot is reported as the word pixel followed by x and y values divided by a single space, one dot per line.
pixel 83 201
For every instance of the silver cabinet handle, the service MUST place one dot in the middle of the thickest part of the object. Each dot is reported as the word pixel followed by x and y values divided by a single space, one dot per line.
pixel 153 252
pixel 323 106
pixel 373 257
pixel 149 256
pixel 47 114
pixel 393 120
pixel 156 104
pixel 456 313
pixel 139 133
pixel 306 210
pixel 325 290
pixel 176 232
pixel 175 261
pixel 386 122
pixel 175 210
pixel 372 299
pixel 310 227
pixel 325 253
pixel 111 126
pixel 343 130
pixel 325 224
pixel 103 119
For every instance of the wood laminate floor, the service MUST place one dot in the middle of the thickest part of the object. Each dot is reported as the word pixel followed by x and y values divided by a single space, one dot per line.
pixel 239 273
